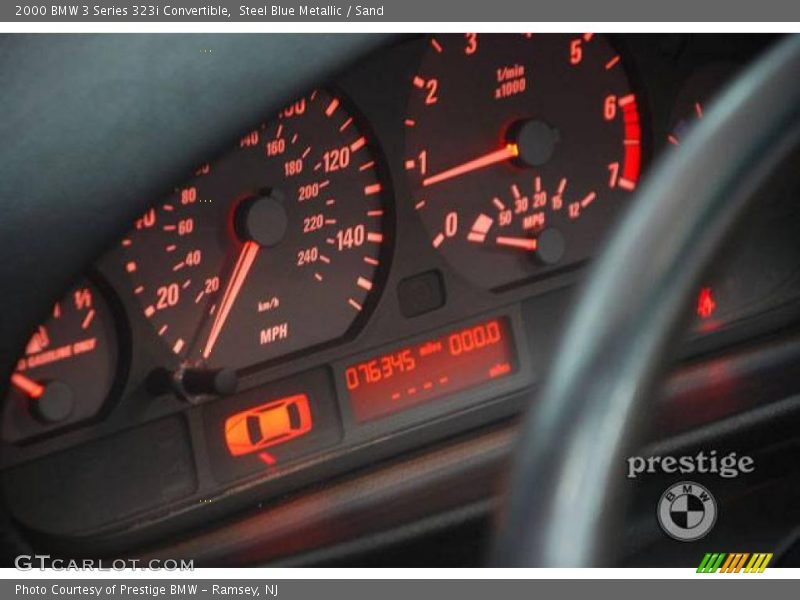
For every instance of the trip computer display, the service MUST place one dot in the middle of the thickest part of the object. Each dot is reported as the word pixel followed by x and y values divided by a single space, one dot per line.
pixel 410 375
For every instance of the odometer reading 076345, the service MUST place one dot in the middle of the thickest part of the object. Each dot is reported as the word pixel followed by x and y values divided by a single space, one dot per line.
pixel 520 150
pixel 272 249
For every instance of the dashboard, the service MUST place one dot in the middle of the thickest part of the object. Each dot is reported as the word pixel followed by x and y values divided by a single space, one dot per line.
pixel 381 266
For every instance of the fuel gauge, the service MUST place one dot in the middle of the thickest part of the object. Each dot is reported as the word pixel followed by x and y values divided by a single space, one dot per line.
pixel 67 369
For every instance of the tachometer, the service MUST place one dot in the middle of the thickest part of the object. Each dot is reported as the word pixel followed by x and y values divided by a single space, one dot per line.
pixel 274 248
pixel 520 150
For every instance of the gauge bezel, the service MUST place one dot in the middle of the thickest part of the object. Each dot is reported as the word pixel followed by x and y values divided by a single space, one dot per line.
pixel 388 200
pixel 123 353
pixel 384 199
pixel 645 122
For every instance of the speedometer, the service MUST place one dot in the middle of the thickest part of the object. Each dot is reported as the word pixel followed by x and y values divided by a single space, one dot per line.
pixel 274 248
pixel 520 150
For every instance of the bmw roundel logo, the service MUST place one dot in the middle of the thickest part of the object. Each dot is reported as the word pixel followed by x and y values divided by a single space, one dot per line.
pixel 687 511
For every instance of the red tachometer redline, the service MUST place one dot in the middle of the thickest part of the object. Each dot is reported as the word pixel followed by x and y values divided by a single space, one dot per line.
pixel 633 143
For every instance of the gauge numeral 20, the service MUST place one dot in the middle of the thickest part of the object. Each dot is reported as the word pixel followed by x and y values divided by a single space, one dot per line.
pixel 168 296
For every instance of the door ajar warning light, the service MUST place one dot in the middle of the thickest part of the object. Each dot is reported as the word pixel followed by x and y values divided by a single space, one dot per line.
pixel 267 425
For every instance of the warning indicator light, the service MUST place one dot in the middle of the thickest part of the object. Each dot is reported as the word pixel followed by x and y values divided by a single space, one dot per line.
pixel 268 425
pixel 706 305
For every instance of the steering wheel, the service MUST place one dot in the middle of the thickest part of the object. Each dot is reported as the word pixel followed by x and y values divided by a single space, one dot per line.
pixel 562 506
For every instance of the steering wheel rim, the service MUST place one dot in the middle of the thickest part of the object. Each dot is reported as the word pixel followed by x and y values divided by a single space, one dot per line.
pixel 561 508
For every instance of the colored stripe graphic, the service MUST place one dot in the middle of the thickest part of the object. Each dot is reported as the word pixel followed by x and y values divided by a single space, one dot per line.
pixel 758 563
pixel 711 562
pixel 722 562
pixel 734 563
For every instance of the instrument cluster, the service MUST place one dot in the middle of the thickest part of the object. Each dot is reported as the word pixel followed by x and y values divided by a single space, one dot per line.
pixel 383 263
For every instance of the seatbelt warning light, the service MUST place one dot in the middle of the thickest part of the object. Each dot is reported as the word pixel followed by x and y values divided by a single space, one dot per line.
pixel 706 305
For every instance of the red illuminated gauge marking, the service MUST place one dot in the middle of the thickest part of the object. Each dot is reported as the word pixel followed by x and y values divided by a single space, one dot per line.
pixel 266 251
pixel 697 92
pixel 68 367
pixel 520 150
pixel 674 137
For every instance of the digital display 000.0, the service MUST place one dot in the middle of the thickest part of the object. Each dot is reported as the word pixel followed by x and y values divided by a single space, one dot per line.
pixel 434 368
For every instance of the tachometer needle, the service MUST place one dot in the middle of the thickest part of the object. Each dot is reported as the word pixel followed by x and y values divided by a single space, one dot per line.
pixel 246 258
pixel 27 386
pixel 505 153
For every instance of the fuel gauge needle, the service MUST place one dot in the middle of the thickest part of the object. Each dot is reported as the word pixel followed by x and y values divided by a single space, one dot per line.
pixel 27 386
pixel 246 258
pixel 505 153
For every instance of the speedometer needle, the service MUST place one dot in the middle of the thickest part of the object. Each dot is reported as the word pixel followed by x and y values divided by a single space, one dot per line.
pixel 506 152
pixel 246 258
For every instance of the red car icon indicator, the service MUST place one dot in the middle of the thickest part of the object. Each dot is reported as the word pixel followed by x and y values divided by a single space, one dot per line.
pixel 268 425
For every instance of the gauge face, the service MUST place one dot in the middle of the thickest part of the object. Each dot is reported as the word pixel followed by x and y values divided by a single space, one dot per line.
pixel 520 150
pixel 272 249
pixel 68 367
pixel 700 89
